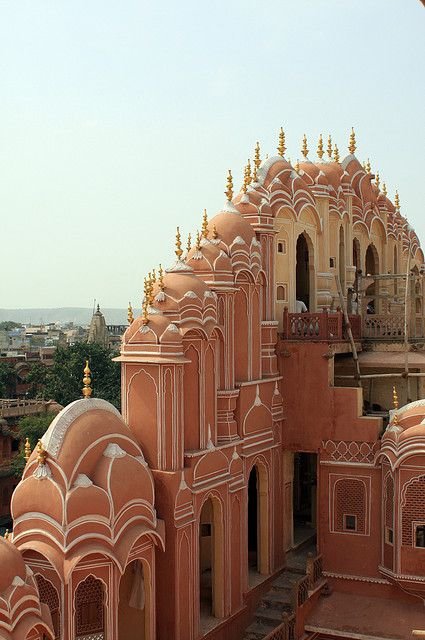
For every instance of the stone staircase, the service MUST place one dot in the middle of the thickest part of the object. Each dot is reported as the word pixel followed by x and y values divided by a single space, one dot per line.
pixel 280 599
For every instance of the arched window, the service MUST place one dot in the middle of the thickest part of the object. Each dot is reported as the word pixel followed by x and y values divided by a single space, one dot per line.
pixel 281 293
pixel 413 509
pixel 49 595
pixel 89 608
pixel 389 510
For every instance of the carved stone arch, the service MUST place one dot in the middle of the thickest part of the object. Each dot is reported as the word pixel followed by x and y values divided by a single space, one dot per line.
pixel 259 515
pixel 89 606
pixel 211 550
pixel 49 595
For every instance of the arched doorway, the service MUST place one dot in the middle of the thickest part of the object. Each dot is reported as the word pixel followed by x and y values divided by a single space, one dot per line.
pixel 258 540
pixel 132 603
pixel 211 560
pixel 303 289
pixel 341 258
pixel 89 608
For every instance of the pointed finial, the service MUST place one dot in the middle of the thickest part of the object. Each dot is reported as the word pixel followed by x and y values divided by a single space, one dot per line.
pixel 297 166
pixel 397 201
pixel 215 234
pixel 336 154
pixel 384 189
pixel 145 317
pixel 87 390
pixel 329 148
pixel 198 241
pixel 257 159
pixel 368 167
pixel 6 534
pixel 352 145
pixel 229 190
pixel 27 450
pixel 304 149
pixel 281 147
pixel 395 404
pixel 41 452
pixel 161 277
pixel 320 151
pixel 98 308
pixel 248 172
pixel 245 182
pixel 130 316
pixel 189 242
pixel 254 175
pixel 205 224
pixel 178 250
pixel 377 179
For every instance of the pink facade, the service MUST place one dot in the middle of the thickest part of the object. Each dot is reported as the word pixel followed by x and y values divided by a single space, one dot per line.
pixel 235 445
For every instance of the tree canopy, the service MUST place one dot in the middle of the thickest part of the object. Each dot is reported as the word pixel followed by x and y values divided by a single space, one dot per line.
pixel 33 428
pixel 7 325
pixel 7 379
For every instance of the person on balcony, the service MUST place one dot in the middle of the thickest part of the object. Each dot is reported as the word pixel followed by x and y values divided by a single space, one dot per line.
pixel 300 307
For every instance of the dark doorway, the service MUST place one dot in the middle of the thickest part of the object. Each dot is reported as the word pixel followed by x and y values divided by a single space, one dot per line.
pixel 372 268
pixel 304 505
pixel 206 559
pixel 253 520
pixel 303 271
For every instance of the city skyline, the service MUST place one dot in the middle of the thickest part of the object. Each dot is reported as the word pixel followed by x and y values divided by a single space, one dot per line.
pixel 120 124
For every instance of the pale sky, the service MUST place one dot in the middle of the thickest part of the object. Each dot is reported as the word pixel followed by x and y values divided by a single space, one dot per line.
pixel 119 121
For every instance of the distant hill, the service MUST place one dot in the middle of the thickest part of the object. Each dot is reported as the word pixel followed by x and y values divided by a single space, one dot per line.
pixel 77 315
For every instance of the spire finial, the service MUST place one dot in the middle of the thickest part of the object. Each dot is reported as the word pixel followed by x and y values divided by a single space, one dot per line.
pixel 257 159
pixel 145 318
pixel 352 145
pixel 281 148
pixel 377 179
pixel 397 201
pixel 27 449
pixel 368 167
pixel 395 404
pixel 198 241
pixel 41 452
pixel 130 316
pixel 205 224
pixel 161 277
pixel 215 234
pixel 6 534
pixel 189 242
pixel 245 181
pixel 229 190
pixel 254 174
pixel 304 149
pixel 384 189
pixel 178 250
pixel 87 390
pixel 297 166
pixel 336 154
pixel 329 148
pixel 320 151
pixel 248 172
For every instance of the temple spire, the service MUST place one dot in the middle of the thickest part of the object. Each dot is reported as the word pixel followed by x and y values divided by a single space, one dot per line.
pixel 281 147
pixel 352 146
pixel 87 390
pixel 229 189
pixel 320 151
pixel 304 149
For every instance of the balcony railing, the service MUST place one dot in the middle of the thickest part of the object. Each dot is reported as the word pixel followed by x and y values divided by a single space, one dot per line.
pixel 389 327
pixel 285 631
pixel 20 407
pixel 318 326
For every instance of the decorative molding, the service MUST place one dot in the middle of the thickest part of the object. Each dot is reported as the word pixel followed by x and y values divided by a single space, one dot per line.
pixel 345 576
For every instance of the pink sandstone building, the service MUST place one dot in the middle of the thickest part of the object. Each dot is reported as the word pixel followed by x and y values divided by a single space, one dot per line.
pixel 253 486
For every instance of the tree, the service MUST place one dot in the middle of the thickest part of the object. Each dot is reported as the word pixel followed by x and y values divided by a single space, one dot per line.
pixel 33 428
pixel 64 379
pixel 37 378
pixel 7 380
pixel 7 325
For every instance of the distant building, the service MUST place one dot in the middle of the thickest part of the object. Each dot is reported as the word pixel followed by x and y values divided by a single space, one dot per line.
pixel 98 333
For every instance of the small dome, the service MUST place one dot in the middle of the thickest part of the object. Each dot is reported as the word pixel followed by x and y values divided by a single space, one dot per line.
pixel 11 563
pixel 230 226
pixel 209 258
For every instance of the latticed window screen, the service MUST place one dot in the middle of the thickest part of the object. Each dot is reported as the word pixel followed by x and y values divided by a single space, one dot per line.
pixel 89 610
pixel 413 508
pixel 49 595
pixel 350 498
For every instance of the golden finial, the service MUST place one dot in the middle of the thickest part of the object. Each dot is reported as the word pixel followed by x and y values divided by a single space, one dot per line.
pixel 189 242
pixel 145 318
pixel 281 148
pixel 130 316
pixel 248 172
pixel 6 534
pixel 257 159
pixel 215 234
pixel 336 154
pixel 229 190
pixel 178 249
pixel 329 148
pixel 161 277
pixel 304 149
pixel 297 166
pixel 205 224
pixel 384 189
pixel 198 241
pixel 254 175
pixel 245 182
pixel 27 450
pixel 368 167
pixel 320 151
pixel 397 201
pixel 395 403
pixel 87 390
pixel 41 452
pixel 352 145
pixel 377 179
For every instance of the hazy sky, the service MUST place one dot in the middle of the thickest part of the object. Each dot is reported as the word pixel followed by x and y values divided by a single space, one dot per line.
pixel 119 120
